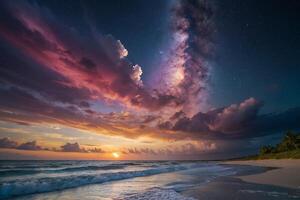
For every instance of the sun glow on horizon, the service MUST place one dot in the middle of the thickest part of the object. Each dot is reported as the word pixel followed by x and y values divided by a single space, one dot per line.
pixel 115 155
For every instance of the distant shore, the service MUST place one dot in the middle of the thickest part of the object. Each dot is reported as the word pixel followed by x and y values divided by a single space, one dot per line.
pixel 286 172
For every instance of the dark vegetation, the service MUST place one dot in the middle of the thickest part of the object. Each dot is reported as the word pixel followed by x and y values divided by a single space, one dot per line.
pixel 288 147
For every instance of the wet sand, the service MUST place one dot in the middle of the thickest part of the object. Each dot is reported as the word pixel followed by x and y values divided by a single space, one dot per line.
pixel 285 172
pixel 238 187
pixel 234 188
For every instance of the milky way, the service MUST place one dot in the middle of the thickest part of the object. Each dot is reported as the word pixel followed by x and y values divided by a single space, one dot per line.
pixel 184 72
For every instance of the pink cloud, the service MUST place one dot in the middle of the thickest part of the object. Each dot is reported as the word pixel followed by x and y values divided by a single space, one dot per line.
pixel 96 63
pixel 234 117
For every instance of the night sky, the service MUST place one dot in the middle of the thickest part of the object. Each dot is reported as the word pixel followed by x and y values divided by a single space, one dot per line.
pixel 258 53
pixel 182 79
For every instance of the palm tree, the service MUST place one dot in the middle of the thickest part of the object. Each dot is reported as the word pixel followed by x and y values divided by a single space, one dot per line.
pixel 289 142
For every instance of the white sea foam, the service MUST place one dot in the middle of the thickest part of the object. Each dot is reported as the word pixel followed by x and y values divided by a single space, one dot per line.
pixel 158 193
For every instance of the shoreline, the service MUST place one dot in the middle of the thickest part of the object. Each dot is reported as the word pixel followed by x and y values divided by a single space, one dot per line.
pixel 281 172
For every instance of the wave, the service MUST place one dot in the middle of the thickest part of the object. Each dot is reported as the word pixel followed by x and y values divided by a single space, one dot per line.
pixel 83 168
pixel 26 171
pixel 59 168
pixel 39 185
pixel 16 172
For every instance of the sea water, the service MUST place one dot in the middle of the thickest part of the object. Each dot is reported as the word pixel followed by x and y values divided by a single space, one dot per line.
pixel 114 180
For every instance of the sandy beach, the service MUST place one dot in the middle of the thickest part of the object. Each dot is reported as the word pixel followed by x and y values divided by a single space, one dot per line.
pixel 286 172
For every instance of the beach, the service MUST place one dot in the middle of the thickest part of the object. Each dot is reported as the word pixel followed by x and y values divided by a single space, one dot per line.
pixel 283 172
pixel 256 179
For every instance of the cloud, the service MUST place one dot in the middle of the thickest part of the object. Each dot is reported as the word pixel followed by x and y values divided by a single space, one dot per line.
pixel 136 75
pixel 7 143
pixel 32 146
pixel 19 105
pixel 230 120
pixel 121 49
pixel 238 121
pixel 75 147
pixel 84 104
pixel 165 125
pixel 150 118
pixel 93 65
pixel 29 146
pixel 236 116
pixel 89 64
pixel 72 147
pixel 244 121
pixel 177 115
pixel 189 148
pixel 96 150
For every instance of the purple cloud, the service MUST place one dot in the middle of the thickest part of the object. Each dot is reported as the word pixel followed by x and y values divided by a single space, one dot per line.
pixel 72 147
pixel 237 121
pixel 33 146
pixel 30 146
pixel 7 143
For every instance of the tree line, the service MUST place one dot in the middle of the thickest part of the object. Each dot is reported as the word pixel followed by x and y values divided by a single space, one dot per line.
pixel 290 142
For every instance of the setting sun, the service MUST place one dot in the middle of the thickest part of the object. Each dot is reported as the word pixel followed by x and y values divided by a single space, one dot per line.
pixel 115 155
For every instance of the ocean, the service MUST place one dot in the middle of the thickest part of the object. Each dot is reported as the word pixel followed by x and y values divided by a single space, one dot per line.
pixel 128 180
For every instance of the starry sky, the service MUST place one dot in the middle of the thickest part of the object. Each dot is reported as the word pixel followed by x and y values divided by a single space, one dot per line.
pixel 179 79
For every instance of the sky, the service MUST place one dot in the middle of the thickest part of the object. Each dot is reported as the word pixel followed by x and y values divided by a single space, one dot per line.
pixel 178 79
